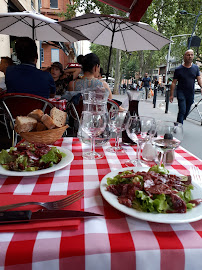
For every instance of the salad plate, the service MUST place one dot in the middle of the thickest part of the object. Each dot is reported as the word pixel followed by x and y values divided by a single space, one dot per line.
pixel 170 218
pixel 63 163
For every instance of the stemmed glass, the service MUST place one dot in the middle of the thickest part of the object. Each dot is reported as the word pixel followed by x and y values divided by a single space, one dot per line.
pixel 169 137
pixel 139 130
pixel 117 122
pixel 93 123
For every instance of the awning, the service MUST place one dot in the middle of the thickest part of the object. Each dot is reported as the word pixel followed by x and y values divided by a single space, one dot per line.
pixel 136 8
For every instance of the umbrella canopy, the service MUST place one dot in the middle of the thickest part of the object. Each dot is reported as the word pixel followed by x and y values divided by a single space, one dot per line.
pixel 135 8
pixel 37 27
pixel 117 32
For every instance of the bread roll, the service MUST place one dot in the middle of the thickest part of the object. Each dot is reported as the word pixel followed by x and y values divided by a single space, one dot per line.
pixel 59 117
pixel 47 121
pixel 36 114
pixel 24 124
pixel 40 127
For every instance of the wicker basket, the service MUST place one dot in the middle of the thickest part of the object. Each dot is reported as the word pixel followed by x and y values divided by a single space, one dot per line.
pixel 47 136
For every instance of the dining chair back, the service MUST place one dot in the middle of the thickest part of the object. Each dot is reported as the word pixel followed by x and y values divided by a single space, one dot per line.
pixel 15 104
pixel 75 111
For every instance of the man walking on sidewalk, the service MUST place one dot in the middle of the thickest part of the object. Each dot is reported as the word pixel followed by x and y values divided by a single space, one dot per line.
pixel 185 75
pixel 146 83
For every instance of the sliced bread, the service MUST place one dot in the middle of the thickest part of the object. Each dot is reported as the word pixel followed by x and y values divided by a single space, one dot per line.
pixel 59 117
pixel 47 121
pixel 25 124
pixel 40 127
pixel 36 114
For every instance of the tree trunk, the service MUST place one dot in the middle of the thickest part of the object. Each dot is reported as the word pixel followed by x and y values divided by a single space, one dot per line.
pixel 117 72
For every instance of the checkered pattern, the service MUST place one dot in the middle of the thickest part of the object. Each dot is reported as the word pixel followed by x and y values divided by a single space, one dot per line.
pixel 115 241
pixel 59 103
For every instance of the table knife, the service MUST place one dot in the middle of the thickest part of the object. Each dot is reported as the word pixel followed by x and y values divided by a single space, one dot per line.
pixel 42 215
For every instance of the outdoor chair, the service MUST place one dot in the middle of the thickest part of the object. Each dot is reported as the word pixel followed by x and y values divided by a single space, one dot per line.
pixel 74 112
pixel 18 104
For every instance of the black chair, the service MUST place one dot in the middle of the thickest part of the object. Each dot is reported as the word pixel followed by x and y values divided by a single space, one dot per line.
pixel 20 104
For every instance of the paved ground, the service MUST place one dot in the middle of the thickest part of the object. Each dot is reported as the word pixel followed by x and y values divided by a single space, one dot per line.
pixel 192 129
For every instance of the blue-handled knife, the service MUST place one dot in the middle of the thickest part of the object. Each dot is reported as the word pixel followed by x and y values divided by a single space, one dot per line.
pixel 29 216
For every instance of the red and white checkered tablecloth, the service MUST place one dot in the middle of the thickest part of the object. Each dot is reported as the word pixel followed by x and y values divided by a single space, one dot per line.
pixel 115 241
pixel 59 103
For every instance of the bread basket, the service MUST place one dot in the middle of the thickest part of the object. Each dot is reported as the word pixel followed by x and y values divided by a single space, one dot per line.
pixel 49 136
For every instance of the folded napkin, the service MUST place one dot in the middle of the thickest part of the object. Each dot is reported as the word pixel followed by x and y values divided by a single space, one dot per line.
pixel 68 224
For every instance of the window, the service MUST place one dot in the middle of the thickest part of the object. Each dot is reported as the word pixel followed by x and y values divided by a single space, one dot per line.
pixel 40 3
pixel 53 3
pixel 55 55
pixel 42 55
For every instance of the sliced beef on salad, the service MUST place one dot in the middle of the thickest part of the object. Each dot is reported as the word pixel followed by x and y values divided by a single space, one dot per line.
pixel 152 191
pixel 30 157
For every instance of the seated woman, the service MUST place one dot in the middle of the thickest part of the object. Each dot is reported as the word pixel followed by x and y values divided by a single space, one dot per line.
pixel 62 77
pixel 91 70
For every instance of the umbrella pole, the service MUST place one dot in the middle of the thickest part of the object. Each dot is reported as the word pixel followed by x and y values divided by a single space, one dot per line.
pixel 110 52
pixel 33 27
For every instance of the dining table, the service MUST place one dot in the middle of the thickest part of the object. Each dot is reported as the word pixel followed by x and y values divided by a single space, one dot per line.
pixel 114 240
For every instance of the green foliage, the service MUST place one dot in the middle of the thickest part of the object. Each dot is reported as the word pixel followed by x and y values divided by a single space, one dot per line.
pixel 162 15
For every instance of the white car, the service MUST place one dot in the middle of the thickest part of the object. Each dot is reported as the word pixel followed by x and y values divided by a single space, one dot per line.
pixel 197 88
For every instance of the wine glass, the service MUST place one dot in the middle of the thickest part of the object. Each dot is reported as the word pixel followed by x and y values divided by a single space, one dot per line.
pixel 93 123
pixel 117 122
pixel 139 130
pixel 169 136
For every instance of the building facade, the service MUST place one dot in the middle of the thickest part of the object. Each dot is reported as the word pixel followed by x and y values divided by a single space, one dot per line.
pixel 53 53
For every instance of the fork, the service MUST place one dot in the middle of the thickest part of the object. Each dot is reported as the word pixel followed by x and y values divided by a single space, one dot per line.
pixel 55 205
pixel 196 175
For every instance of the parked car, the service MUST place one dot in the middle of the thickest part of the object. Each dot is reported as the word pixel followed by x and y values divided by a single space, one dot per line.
pixel 197 88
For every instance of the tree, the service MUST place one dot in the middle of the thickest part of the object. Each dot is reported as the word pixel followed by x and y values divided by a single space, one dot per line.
pixel 162 15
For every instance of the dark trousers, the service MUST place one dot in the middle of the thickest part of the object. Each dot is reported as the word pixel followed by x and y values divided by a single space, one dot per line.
pixel 146 91
pixel 184 105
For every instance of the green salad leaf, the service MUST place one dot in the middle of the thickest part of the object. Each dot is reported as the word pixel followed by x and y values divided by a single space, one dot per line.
pixel 159 169
pixel 52 156
pixel 5 157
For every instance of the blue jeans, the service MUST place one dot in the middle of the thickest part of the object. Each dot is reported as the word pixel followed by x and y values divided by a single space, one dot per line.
pixel 184 105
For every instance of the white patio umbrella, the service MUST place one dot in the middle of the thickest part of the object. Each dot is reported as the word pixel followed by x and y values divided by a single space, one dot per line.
pixel 37 27
pixel 117 32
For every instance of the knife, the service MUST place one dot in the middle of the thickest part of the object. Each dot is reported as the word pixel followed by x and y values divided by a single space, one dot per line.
pixel 29 216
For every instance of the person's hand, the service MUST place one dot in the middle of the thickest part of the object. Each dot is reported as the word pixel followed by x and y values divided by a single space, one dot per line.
pixel 171 99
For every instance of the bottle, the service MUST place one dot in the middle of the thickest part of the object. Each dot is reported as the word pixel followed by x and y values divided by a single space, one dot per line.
pixel 133 109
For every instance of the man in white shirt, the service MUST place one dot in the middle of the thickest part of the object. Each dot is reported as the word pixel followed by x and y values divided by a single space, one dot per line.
pixel 5 62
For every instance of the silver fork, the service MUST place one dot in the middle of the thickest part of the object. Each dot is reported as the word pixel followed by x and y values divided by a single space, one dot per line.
pixel 55 205
pixel 196 175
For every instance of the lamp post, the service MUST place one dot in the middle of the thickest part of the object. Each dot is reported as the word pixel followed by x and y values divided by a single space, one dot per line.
pixel 184 12
pixel 169 51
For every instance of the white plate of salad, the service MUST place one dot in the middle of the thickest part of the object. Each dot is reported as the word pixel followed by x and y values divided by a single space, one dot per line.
pixel 33 159
pixel 144 207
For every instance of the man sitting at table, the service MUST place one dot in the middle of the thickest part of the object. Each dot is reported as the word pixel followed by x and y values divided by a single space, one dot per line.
pixel 26 78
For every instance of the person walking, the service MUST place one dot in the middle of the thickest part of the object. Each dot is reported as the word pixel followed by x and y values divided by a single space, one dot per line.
pixel 185 75
pixel 146 83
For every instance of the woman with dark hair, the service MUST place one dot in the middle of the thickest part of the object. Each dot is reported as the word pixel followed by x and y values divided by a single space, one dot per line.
pixel 91 69
pixel 62 77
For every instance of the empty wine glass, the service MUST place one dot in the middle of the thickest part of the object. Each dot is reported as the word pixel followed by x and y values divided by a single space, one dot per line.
pixel 169 137
pixel 93 123
pixel 117 122
pixel 139 130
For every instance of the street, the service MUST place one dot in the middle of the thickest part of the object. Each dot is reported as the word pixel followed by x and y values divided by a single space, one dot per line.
pixel 192 128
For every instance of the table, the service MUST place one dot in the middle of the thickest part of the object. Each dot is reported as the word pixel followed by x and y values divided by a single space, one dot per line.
pixel 115 241
pixel 59 103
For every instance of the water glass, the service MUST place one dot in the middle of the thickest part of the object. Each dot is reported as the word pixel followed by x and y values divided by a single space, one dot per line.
pixel 93 124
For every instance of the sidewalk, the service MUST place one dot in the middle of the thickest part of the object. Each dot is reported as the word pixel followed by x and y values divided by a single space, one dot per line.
pixel 192 129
